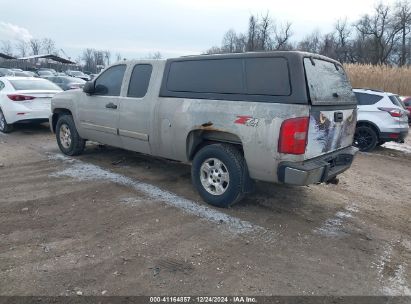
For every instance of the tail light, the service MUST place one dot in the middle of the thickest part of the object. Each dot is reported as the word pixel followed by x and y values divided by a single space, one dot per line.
pixel 394 112
pixel 293 135
pixel 17 97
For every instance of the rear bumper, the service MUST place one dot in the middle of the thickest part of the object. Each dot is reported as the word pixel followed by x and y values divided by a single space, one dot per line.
pixel 28 115
pixel 317 170
pixel 397 135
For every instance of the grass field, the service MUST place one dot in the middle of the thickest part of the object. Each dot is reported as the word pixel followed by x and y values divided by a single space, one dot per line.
pixel 386 78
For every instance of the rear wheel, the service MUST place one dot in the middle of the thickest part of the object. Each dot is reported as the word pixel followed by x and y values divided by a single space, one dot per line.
pixel 4 126
pixel 68 139
pixel 218 174
pixel 365 138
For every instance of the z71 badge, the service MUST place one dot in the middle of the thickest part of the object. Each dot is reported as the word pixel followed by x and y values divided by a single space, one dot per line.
pixel 248 121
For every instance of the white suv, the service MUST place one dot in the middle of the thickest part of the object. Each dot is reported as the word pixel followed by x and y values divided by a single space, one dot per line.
pixel 381 118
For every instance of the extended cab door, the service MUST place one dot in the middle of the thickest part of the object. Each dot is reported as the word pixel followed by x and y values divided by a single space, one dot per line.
pixel 135 114
pixel 99 113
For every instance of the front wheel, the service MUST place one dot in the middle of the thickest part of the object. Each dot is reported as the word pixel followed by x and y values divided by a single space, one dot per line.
pixel 218 174
pixel 68 139
pixel 365 138
pixel 4 126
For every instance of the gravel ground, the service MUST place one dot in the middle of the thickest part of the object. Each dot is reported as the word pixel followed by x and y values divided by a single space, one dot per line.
pixel 114 222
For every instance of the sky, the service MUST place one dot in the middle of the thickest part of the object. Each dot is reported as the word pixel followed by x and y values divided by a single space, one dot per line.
pixel 174 27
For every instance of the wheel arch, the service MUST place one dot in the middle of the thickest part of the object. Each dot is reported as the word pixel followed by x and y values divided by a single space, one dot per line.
pixel 56 114
pixel 369 124
pixel 199 138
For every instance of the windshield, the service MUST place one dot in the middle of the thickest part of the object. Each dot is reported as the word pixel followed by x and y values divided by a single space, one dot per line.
pixel 327 83
pixel 34 84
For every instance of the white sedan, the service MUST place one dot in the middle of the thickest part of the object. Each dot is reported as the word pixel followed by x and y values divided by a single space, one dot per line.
pixel 24 99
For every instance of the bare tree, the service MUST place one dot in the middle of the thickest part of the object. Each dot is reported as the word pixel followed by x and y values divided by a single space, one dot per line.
pixel 88 60
pixel 35 46
pixel 229 41
pixel 282 36
pixel 22 48
pixel 6 47
pixel 107 57
pixel 252 33
pixel 343 33
pixel 264 28
pixel 403 19
pixel 311 43
pixel 48 46
pixel 118 57
pixel 382 31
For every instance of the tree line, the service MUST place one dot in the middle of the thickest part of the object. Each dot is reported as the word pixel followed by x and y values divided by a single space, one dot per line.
pixel 381 37
pixel 91 60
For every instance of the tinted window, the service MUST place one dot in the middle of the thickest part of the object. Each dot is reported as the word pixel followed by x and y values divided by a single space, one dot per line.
pixel 407 103
pixel 1 85
pixel 109 82
pixel 140 79
pixel 365 99
pixel 34 84
pixel 327 83
pixel 267 76
pixel 263 76
pixel 207 76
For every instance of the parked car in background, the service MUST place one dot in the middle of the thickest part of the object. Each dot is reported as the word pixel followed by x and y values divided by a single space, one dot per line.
pixel 24 99
pixel 78 74
pixel 67 82
pixel 52 71
pixel 5 72
pixel 16 70
pixel 282 117
pixel 407 104
pixel 21 74
pixel 92 76
pixel 381 118
pixel 44 73
pixel 31 73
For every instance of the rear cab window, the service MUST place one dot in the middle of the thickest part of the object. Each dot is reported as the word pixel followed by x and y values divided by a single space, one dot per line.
pixel 327 83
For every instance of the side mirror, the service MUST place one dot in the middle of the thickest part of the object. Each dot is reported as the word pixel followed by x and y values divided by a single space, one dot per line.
pixel 89 88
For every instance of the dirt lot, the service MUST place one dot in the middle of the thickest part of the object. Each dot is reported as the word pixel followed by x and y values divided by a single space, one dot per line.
pixel 119 223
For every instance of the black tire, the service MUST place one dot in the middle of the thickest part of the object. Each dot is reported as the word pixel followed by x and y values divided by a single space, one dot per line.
pixel 232 164
pixel 4 126
pixel 76 144
pixel 365 138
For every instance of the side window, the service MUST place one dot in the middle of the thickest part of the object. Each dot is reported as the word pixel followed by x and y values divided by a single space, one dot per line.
pixel 140 79
pixel 367 99
pixel 109 82
pixel 267 76
pixel 408 103
pixel 1 85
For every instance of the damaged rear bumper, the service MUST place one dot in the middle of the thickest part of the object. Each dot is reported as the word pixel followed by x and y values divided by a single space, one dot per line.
pixel 317 170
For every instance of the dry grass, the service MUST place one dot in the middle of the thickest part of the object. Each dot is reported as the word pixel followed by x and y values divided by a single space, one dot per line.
pixel 386 78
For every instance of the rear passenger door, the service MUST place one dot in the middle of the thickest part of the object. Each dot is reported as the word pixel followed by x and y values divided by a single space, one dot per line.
pixel 99 113
pixel 136 105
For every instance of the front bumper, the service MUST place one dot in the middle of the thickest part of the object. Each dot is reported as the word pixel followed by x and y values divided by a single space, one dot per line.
pixel 317 170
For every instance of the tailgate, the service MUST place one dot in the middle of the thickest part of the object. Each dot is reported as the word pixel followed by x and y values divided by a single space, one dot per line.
pixel 333 113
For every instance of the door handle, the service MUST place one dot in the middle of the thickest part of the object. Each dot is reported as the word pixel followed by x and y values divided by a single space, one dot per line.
pixel 111 106
pixel 338 116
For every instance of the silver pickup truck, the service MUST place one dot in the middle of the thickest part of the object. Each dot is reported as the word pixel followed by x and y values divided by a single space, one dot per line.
pixel 281 117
